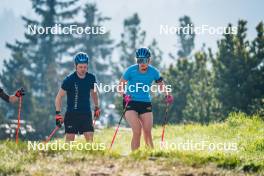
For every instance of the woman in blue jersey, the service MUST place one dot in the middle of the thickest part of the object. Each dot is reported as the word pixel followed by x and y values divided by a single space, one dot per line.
pixel 138 79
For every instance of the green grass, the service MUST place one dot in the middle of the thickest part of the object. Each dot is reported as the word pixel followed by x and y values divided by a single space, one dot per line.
pixel 243 134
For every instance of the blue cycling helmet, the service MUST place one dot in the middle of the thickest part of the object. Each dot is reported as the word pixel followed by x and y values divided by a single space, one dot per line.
pixel 81 58
pixel 143 55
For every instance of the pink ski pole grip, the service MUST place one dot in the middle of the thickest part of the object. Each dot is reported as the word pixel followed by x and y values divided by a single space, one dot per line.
pixel 169 99
pixel 127 99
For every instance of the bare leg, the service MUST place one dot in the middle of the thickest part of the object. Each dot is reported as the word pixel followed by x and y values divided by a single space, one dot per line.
pixel 134 123
pixel 70 137
pixel 147 123
pixel 88 136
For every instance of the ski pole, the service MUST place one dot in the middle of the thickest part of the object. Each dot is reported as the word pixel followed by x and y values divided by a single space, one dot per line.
pixel 52 133
pixel 113 140
pixel 123 114
pixel 169 101
pixel 18 118
pixel 164 123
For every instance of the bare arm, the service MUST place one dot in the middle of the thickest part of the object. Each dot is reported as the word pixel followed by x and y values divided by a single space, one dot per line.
pixel 13 99
pixel 8 98
pixel 58 99
pixel 121 86
pixel 95 97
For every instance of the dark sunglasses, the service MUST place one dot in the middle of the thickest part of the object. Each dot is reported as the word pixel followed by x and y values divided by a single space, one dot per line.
pixel 142 60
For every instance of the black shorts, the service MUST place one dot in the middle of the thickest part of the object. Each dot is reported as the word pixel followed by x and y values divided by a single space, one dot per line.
pixel 139 106
pixel 78 123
